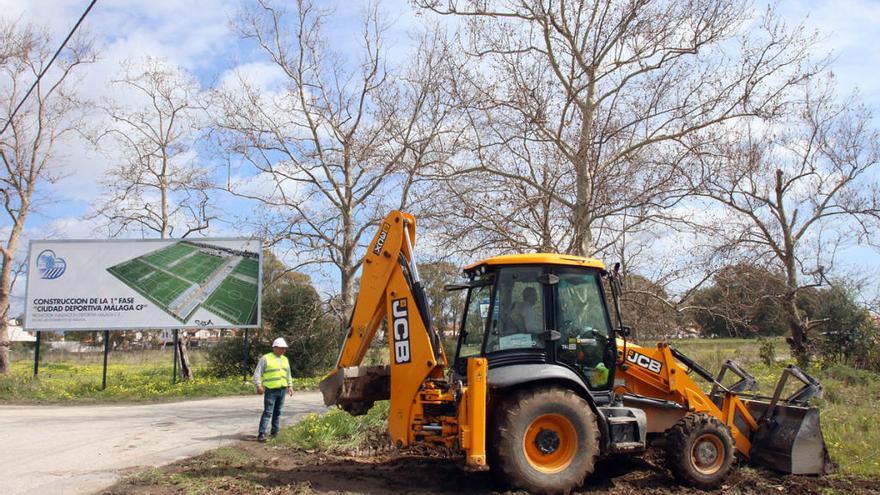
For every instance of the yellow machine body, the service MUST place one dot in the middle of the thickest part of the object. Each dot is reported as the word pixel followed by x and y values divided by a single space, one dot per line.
pixel 428 407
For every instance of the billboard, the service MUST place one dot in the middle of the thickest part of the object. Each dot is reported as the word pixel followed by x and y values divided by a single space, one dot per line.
pixel 168 283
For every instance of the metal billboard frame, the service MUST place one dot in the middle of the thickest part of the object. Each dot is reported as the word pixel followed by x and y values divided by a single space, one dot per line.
pixel 259 302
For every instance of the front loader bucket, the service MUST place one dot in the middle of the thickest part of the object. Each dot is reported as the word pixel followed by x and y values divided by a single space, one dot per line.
pixel 331 387
pixel 356 389
pixel 790 441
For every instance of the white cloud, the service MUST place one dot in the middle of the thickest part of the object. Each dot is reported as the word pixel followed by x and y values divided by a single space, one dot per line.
pixel 849 30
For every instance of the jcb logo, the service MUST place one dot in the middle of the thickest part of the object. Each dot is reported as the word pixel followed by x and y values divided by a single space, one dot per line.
pixel 380 242
pixel 643 361
pixel 400 330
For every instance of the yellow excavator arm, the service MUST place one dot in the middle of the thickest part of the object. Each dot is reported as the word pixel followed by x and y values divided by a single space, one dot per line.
pixel 424 406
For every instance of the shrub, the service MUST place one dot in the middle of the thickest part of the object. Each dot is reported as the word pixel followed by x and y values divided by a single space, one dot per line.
pixel 335 430
pixel 767 352
pixel 291 308
pixel 848 334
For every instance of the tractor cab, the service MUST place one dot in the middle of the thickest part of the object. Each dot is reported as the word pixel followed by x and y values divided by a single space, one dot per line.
pixel 539 309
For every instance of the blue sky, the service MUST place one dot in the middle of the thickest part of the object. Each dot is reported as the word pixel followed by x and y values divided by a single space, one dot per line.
pixel 195 34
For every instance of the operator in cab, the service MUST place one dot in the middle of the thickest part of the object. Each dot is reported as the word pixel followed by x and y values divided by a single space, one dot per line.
pixel 272 379
pixel 529 318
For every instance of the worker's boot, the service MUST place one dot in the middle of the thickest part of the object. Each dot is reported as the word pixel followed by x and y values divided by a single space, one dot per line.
pixel 261 438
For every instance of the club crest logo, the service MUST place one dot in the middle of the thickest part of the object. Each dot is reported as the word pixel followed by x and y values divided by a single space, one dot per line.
pixel 50 266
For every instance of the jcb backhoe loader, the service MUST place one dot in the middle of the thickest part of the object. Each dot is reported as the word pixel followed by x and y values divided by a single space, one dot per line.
pixel 542 383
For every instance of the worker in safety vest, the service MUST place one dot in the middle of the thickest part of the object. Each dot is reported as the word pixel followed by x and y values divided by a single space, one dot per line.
pixel 272 378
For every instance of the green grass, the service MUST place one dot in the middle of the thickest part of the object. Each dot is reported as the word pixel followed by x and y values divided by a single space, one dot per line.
pixel 197 268
pixel 153 284
pixel 335 430
pixel 224 470
pixel 131 377
pixel 131 271
pixel 234 300
pixel 248 267
pixel 168 255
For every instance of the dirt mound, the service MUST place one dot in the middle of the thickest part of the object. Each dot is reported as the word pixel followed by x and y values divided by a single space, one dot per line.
pixel 274 470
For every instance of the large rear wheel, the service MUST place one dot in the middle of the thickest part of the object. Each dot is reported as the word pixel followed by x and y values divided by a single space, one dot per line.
pixel 545 440
pixel 699 451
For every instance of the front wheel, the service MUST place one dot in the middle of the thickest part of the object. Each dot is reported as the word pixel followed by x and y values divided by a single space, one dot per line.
pixel 545 440
pixel 699 451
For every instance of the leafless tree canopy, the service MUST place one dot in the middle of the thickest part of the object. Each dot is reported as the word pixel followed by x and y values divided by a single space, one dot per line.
pixel 584 114
pixel 797 189
pixel 29 149
pixel 335 142
pixel 158 187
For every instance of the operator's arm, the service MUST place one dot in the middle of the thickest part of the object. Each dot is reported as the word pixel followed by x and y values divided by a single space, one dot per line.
pixel 258 374
pixel 289 382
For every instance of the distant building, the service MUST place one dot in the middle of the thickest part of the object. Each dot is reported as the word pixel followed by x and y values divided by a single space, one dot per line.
pixel 72 346
pixel 18 334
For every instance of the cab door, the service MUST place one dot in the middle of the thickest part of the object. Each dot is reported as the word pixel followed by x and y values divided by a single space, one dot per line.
pixel 586 341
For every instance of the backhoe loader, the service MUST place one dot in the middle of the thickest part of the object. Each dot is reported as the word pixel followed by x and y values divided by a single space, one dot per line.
pixel 543 384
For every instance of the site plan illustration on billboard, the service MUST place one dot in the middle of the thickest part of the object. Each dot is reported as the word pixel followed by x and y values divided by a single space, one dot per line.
pixel 144 284
pixel 183 276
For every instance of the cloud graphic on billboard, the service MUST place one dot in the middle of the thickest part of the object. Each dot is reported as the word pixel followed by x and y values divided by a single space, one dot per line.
pixel 50 266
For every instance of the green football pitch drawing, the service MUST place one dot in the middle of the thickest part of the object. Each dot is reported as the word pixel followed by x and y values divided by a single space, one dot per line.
pixel 187 275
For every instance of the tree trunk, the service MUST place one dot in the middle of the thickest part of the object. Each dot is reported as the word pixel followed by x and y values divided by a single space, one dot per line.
pixel 4 347
pixel 582 242
pixel 798 339
pixel 349 243
pixel 347 294
pixel 186 372
pixel 6 288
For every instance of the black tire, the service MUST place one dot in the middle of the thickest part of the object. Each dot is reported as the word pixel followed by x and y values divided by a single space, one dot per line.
pixel 699 451
pixel 554 462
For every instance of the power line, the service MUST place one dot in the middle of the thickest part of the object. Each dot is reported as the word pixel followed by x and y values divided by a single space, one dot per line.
pixel 46 68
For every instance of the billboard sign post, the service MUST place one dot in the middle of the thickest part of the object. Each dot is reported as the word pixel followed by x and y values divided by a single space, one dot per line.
pixel 174 366
pixel 37 354
pixel 143 284
pixel 163 284
pixel 106 351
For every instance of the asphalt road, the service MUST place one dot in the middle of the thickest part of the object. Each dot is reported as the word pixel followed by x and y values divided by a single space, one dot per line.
pixel 82 449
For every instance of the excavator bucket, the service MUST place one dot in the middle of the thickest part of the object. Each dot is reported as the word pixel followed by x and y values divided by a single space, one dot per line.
pixel 791 441
pixel 355 389
pixel 331 386
pixel 789 437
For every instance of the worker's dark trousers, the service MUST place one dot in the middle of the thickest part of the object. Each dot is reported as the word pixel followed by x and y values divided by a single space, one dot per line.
pixel 273 400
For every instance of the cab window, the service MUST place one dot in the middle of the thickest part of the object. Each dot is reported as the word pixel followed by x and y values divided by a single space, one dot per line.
pixel 583 324
pixel 475 321
pixel 517 320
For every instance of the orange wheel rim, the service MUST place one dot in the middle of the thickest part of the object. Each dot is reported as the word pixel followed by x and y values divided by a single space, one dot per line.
pixel 550 443
pixel 707 454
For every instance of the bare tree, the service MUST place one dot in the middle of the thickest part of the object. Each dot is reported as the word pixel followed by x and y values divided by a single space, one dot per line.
pixel 594 107
pixel 335 143
pixel 158 188
pixel 796 191
pixel 29 148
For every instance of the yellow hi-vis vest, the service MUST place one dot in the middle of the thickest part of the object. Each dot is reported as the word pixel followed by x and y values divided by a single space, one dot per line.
pixel 275 374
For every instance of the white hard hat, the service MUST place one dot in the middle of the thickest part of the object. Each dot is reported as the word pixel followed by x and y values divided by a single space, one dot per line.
pixel 279 342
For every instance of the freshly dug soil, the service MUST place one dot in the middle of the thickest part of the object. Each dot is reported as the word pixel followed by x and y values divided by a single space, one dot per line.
pixel 379 470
